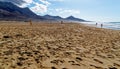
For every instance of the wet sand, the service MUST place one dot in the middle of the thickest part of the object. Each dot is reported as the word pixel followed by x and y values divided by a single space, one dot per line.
pixel 58 46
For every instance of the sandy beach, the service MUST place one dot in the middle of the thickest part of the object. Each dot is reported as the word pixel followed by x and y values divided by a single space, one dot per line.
pixel 58 46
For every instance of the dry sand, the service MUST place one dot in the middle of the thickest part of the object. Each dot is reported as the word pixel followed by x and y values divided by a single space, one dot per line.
pixel 58 46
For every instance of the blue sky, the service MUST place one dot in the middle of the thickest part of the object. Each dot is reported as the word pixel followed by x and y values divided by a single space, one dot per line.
pixel 94 10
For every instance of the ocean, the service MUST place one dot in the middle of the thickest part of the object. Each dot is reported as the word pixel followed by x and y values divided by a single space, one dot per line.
pixel 107 25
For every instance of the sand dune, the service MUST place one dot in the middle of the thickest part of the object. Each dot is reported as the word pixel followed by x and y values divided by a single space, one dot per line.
pixel 58 46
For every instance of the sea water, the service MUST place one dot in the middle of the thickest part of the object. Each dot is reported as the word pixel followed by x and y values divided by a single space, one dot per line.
pixel 107 25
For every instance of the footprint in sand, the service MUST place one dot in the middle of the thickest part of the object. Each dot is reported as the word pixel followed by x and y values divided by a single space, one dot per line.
pixel 53 67
pixel 98 61
pixel 112 68
pixel 57 61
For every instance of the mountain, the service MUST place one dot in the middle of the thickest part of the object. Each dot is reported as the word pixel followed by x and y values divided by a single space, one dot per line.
pixel 9 11
pixel 58 18
pixel 53 17
pixel 72 18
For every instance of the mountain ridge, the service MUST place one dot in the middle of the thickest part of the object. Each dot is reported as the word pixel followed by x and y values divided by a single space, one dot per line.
pixel 72 18
pixel 9 11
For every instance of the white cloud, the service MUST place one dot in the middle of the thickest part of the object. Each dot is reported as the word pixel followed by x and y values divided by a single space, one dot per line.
pixel 68 11
pixel 57 0
pixel 39 8
pixel 28 1
pixel 64 12
pixel 45 2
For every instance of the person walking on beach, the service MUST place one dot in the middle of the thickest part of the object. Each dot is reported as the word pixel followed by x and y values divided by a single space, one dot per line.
pixel 61 22
pixel 101 25
pixel 96 24
pixel 30 22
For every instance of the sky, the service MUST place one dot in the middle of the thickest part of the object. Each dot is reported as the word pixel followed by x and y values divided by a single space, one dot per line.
pixel 93 10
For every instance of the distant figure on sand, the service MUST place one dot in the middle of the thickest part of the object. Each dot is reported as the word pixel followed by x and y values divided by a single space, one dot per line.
pixel 61 22
pixel 30 22
pixel 101 25
pixel 96 24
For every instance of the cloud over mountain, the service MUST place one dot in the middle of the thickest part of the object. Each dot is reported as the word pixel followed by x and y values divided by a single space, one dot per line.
pixel 17 2
pixel 38 7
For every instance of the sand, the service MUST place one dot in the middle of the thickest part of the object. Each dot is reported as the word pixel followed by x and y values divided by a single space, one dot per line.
pixel 58 46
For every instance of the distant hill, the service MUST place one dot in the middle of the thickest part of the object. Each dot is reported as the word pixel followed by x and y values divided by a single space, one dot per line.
pixel 71 18
pixel 53 17
pixel 9 11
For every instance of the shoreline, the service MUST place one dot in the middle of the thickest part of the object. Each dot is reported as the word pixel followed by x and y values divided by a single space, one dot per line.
pixel 106 25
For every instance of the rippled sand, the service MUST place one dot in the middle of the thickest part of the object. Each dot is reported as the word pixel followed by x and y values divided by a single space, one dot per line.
pixel 58 46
